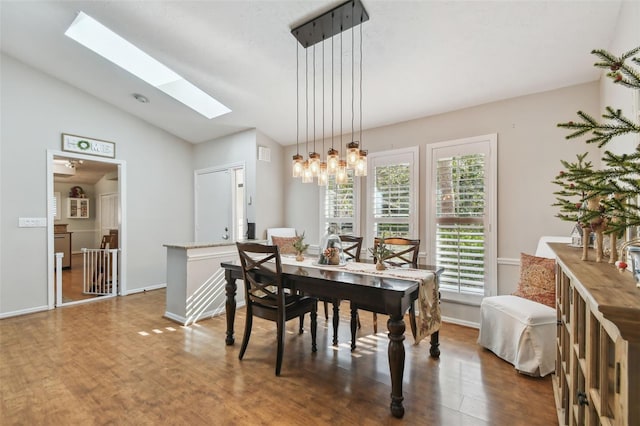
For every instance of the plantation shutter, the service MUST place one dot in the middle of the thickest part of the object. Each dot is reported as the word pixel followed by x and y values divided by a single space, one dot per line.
pixel 461 211
pixel 392 199
pixel 340 205
pixel 460 207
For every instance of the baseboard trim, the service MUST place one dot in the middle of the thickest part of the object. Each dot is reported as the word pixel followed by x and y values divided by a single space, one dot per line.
pixel 143 289
pixel 461 322
pixel 24 311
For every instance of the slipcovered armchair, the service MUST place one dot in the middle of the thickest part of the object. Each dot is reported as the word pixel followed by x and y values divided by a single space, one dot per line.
pixel 279 232
pixel 521 328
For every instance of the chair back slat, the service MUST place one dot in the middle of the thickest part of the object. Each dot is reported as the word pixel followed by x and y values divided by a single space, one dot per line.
pixel 352 247
pixel 405 251
pixel 262 273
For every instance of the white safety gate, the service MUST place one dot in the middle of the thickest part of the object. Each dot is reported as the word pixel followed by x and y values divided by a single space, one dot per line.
pixel 100 271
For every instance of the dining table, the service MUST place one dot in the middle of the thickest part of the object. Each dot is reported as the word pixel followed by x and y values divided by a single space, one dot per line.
pixel 383 292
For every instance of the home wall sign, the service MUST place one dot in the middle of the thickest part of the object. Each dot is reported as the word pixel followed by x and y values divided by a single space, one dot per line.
pixel 82 145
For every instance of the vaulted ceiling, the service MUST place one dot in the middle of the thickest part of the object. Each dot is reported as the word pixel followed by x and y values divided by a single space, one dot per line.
pixel 420 57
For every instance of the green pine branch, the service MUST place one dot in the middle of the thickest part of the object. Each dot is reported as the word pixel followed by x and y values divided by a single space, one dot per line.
pixel 617 184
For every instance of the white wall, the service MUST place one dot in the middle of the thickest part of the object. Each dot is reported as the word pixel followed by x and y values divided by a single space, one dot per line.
pixel 270 181
pixel 615 95
pixel 35 110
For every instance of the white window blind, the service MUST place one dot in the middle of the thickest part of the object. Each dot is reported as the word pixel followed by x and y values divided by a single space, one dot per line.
pixel 339 206
pixel 392 194
pixel 462 208
pixel 392 199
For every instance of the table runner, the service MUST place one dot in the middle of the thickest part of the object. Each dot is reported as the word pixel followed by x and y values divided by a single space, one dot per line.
pixel 430 318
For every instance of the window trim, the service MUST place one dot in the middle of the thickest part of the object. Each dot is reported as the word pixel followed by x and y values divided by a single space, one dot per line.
pixel 391 157
pixel 491 245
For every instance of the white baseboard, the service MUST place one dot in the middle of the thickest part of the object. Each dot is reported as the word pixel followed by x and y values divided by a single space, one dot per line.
pixel 24 311
pixel 143 289
pixel 461 322
pixel 204 316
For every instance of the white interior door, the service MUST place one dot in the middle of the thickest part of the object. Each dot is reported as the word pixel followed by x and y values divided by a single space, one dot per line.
pixel 214 206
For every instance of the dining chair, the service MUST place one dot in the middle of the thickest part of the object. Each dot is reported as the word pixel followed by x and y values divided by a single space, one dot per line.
pixel 351 248
pixel 266 296
pixel 351 251
pixel 404 254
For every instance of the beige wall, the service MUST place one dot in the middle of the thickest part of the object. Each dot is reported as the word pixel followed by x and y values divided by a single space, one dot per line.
pixel 530 147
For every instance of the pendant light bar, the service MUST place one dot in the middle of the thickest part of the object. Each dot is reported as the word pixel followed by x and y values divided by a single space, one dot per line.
pixel 319 30
pixel 330 23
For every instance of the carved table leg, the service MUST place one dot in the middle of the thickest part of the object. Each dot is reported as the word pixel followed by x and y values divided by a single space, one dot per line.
pixel 336 320
pixel 354 327
pixel 396 327
pixel 434 350
pixel 230 289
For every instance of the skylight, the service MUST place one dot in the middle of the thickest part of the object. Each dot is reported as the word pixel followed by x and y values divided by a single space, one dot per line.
pixel 95 36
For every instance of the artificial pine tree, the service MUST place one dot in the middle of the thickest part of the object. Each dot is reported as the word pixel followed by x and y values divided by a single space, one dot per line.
pixel 605 198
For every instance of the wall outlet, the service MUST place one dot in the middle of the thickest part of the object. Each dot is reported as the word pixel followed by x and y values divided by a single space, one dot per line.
pixel 32 222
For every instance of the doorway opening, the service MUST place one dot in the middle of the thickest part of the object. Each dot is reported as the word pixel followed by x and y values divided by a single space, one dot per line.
pixel 220 213
pixel 86 229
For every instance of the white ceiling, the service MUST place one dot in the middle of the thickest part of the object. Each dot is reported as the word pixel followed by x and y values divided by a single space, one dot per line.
pixel 420 57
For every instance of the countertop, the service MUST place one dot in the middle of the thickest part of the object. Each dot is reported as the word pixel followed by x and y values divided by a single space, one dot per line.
pixel 203 244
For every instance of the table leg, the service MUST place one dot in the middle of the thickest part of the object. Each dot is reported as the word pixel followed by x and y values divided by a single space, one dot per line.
pixel 396 327
pixel 230 288
pixel 354 326
pixel 434 350
pixel 336 321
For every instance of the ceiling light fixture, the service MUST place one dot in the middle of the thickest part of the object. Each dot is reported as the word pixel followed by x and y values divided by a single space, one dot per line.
pixel 319 30
pixel 95 36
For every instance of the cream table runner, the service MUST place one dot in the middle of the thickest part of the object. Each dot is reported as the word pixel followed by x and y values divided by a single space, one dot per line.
pixel 430 318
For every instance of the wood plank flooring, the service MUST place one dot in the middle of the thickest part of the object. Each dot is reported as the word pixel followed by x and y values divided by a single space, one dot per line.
pixel 72 281
pixel 119 362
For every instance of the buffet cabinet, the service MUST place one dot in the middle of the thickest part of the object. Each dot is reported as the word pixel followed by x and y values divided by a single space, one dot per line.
pixel 597 377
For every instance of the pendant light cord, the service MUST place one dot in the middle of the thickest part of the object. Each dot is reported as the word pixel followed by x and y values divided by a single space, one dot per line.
pixel 297 99
pixel 361 144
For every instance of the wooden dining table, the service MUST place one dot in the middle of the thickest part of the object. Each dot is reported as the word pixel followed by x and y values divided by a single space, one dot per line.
pixel 383 295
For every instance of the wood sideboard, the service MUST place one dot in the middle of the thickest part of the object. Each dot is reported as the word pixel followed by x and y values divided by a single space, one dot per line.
pixel 597 378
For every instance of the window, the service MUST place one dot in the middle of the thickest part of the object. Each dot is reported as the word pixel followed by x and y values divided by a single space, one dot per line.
pixel 340 206
pixel 462 209
pixel 392 189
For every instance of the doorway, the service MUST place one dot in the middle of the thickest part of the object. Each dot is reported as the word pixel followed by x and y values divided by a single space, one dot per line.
pixel 85 216
pixel 219 204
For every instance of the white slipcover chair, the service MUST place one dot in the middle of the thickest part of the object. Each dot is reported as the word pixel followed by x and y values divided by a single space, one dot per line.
pixel 280 232
pixel 519 330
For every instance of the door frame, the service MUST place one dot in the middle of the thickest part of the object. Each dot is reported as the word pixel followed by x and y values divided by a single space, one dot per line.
pixel 214 169
pixel 122 228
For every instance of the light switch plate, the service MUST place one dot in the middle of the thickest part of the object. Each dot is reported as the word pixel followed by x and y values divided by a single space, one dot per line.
pixel 32 222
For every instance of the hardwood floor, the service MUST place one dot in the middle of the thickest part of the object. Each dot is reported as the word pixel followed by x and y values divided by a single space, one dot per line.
pixel 72 281
pixel 118 361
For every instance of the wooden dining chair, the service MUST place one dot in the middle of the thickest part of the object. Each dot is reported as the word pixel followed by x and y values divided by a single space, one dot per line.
pixel 351 248
pixel 267 298
pixel 351 251
pixel 404 253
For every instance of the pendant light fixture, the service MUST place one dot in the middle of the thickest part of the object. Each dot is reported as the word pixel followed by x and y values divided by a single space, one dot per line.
pixel 341 173
pixel 297 159
pixel 319 30
pixel 361 163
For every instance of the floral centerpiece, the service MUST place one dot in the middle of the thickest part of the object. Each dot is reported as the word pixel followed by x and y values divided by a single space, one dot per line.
pixel 380 252
pixel 300 247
